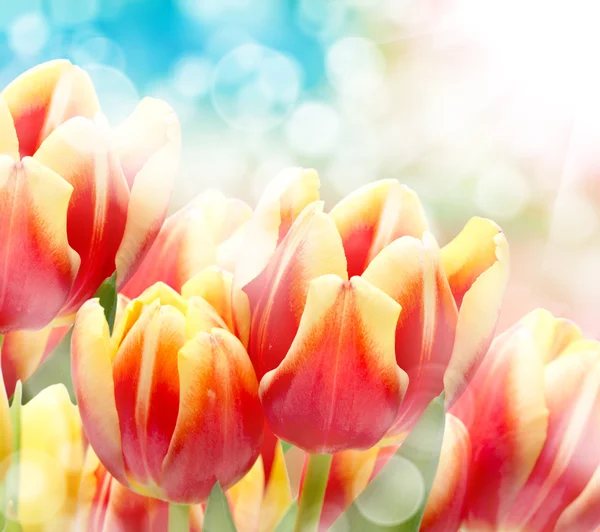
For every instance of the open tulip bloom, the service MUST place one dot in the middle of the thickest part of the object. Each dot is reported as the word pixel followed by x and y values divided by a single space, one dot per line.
pixel 263 369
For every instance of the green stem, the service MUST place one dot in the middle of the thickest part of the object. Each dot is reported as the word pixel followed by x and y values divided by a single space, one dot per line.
pixel 313 493
pixel 179 518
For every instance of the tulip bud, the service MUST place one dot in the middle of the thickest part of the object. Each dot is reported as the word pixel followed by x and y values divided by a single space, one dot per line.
pixel 49 462
pixel 203 233
pixel 531 414
pixel 177 385
pixel 362 302
pixel 78 200
pixel 104 505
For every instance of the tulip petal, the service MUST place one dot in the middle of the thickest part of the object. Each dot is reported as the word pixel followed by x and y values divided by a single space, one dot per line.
pixel 444 506
pixel 409 270
pixel 22 352
pixel 216 287
pixel 374 216
pixel 46 96
pixel 282 202
pixel 189 241
pixel 219 419
pixel 584 512
pixel 472 252
pixel 277 496
pixel 349 475
pixel 246 497
pixel 553 335
pixel 34 249
pixel 504 411
pixel 9 143
pixel 79 152
pixel 152 184
pixel 277 296
pixel 570 455
pixel 477 320
pixel 146 384
pixel 94 387
pixel 344 345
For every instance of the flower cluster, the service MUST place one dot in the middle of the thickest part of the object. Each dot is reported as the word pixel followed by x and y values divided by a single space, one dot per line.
pixel 329 329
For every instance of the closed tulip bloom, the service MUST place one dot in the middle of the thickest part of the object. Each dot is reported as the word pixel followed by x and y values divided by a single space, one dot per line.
pixel 105 505
pixel 531 414
pixel 204 233
pixel 358 318
pixel 79 200
pixel 180 408
pixel 50 462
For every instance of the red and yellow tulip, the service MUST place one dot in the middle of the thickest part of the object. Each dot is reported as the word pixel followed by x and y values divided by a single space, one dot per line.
pixel 358 318
pixel 176 385
pixel 106 505
pixel 204 233
pixel 528 459
pixel 50 462
pixel 78 200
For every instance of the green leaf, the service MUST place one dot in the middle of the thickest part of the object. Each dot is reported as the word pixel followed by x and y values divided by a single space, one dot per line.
pixel 395 500
pixel 217 517
pixel 107 294
pixel 285 446
pixel 56 368
pixel 289 518
pixel 9 491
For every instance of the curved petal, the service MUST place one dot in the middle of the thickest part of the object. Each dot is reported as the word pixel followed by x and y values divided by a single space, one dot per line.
pixel 215 286
pixel 472 252
pixel 444 506
pixel 339 386
pixel 189 241
pixel 46 96
pixel 151 186
pixel 311 248
pixel 51 443
pixel 477 320
pixel 91 359
pixel 9 143
pixel 409 270
pixel 35 255
pixel 570 455
pixel 584 512
pixel 220 418
pixel 146 386
pixel 504 410
pixel 374 216
pixel 79 152
pixel 245 498
pixel 282 202
pixel 553 335
pixel 277 495
pixel 349 475
pixel 22 352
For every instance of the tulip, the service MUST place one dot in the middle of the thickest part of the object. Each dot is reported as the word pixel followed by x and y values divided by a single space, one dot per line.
pixel 106 505
pixel 49 463
pixel 358 319
pixel 531 415
pixel 202 234
pixel 79 201
pixel 175 385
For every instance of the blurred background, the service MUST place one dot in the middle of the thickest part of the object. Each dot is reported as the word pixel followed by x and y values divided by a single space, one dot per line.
pixel 487 108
